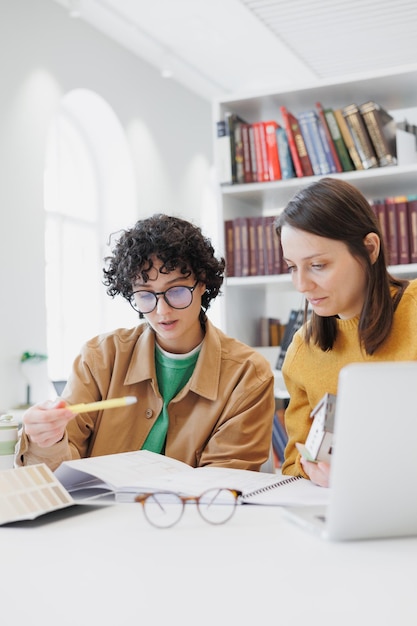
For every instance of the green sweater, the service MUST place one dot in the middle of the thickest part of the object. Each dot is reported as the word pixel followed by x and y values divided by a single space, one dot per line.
pixel 309 372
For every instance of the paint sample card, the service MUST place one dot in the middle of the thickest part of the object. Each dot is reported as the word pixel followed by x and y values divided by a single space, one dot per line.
pixel 27 492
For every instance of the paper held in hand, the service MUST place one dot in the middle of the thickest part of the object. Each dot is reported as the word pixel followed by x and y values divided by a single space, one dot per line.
pixel 129 473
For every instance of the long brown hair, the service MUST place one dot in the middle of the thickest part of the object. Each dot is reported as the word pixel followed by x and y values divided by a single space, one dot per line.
pixel 335 209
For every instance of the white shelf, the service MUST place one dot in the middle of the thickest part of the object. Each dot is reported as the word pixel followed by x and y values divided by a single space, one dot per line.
pixel 377 182
pixel 284 282
pixel 246 299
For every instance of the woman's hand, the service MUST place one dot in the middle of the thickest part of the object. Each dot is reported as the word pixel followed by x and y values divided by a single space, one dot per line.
pixel 45 423
pixel 319 473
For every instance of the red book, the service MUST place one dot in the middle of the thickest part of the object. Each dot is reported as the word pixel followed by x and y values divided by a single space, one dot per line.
pixel 412 227
pixel 298 148
pixel 274 166
pixel 329 137
pixel 262 173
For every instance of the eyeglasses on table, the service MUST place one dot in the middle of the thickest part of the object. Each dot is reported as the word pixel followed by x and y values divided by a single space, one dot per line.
pixel 164 509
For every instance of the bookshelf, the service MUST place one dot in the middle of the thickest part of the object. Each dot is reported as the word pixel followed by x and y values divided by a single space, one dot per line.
pixel 246 299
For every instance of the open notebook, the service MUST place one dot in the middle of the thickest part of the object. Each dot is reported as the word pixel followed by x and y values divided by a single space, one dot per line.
pixel 374 460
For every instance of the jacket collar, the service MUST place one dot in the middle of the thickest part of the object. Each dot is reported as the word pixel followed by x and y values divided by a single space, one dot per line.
pixel 206 376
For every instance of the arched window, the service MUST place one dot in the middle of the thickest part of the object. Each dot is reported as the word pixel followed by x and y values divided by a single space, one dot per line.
pixel 89 193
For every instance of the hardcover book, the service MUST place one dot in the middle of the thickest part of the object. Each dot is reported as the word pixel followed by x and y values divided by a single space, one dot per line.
pixel 299 154
pixel 260 151
pixel 412 226
pixel 339 144
pixel 274 166
pixel 360 136
pixel 393 242
pixel 241 246
pixel 229 247
pixel 382 130
pixel 328 139
pixel 247 157
pixel 348 139
pixel 284 154
pixel 401 212
pixel 308 123
pixel 380 211
pixel 236 148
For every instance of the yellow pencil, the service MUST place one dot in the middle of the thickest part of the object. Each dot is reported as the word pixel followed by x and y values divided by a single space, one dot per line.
pixel 112 403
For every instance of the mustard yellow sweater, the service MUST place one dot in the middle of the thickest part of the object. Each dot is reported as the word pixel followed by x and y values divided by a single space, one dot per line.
pixel 309 372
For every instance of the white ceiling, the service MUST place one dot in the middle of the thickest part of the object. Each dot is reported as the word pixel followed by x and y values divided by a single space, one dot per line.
pixel 223 47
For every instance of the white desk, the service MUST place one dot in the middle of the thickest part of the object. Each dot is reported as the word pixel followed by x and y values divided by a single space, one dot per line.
pixel 109 566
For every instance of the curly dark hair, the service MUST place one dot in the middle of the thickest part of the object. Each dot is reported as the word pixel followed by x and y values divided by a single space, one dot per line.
pixel 177 243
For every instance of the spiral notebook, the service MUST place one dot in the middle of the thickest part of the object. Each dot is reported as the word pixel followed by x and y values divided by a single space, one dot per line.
pixel 374 464
pixel 128 473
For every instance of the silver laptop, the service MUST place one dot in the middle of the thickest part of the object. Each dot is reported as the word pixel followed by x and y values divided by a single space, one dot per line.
pixel 373 491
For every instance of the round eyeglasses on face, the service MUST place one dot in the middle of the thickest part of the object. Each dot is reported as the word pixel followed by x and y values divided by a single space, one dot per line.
pixel 164 509
pixel 177 297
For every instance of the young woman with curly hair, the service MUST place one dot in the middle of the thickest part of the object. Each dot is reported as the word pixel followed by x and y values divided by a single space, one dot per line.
pixel 202 397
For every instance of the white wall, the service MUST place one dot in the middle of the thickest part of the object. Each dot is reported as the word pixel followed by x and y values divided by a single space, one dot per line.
pixel 44 55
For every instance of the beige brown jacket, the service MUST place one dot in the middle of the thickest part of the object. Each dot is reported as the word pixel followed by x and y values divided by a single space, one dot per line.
pixel 223 416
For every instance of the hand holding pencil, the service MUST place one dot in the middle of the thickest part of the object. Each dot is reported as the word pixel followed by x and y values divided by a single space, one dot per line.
pixel 45 424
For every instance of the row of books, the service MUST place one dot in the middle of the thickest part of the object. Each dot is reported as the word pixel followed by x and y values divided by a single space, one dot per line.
pixel 318 141
pixel 397 217
pixel 252 247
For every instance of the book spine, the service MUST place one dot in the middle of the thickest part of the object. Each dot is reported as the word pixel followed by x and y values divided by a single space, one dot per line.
pixel 339 144
pixel 247 160
pixel 348 139
pixel 240 175
pixel 237 247
pixel 264 152
pixel 291 141
pixel 360 136
pixel 253 247
pixel 412 226
pixel 309 143
pixel 401 210
pixel 229 247
pixel 261 174
pixel 287 167
pixel 260 244
pixel 269 234
pixel 274 166
pixel 229 116
pixel 328 139
pixel 243 224
pixel 309 121
pixel 393 246
pixel 382 131
pixel 253 158
pixel 380 211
